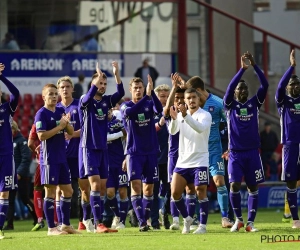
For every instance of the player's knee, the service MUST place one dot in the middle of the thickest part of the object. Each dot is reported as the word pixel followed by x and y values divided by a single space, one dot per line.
pixel 219 180
pixel 235 186
pixel 123 193
pixel 292 184
pixel 176 195
pixel 110 193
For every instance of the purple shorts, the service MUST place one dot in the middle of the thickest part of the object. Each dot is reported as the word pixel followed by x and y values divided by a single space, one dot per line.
pixel 8 173
pixel 142 167
pixel 93 162
pixel 199 176
pixel 248 164
pixel 55 174
pixel 290 162
pixel 171 166
pixel 116 178
pixel 74 168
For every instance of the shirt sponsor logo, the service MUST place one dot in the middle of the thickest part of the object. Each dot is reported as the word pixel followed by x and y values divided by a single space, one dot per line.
pixel 211 109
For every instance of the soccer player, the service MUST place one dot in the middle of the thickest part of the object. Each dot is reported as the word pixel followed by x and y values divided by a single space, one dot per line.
pixel 244 159
pixel 93 110
pixel 162 186
pixel 214 106
pixel 175 98
pixel 288 108
pixel 8 175
pixel 22 159
pixel 70 105
pixel 142 146
pixel 51 122
pixel 191 169
pixel 117 178
pixel 37 185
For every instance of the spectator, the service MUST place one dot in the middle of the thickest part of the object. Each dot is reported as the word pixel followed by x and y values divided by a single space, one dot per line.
pixel 9 43
pixel 269 142
pixel 90 44
pixel 146 69
pixel 78 89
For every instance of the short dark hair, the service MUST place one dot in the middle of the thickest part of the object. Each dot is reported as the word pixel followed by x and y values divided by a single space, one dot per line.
pixel 192 90
pixel 179 90
pixel 196 82
pixel 294 79
pixel 96 75
pixel 81 77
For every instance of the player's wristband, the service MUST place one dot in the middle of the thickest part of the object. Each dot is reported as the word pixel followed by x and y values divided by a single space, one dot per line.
pixel 159 125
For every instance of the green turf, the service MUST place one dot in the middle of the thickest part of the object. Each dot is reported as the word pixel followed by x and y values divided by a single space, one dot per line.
pixel 268 222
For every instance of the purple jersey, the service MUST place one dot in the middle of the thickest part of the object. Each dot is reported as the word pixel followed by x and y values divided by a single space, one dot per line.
pixel 6 112
pixel 242 118
pixel 289 111
pixel 73 144
pixel 173 141
pixel 115 147
pixel 140 125
pixel 93 117
pixel 53 150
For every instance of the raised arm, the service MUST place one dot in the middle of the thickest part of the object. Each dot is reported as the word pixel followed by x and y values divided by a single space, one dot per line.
pixel 129 111
pixel 262 91
pixel 173 126
pixel 229 95
pixel 157 106
pixel 120 89
pixel 94 87
pixel 280 92
pixel 14 97
pixel 170 101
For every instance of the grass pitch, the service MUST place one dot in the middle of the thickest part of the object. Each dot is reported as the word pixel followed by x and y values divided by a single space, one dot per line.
pixel 267 221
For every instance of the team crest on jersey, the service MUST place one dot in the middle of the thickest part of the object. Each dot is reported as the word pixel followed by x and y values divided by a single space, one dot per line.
pixel 74 111
pixel 211 108
pixel 104 104
pixel 100 112
pixel 146 109
pixel 2 110
pixel 141 117
pixel 290 100
pixel 238 106
pixel 243 111
pixel 297 106
pixel 250 105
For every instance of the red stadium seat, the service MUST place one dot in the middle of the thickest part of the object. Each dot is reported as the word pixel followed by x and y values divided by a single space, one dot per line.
pixel 17 113
pixel 27 110
pixel 27 99
pixel 38 99
pixel 24 131
pixel 25 121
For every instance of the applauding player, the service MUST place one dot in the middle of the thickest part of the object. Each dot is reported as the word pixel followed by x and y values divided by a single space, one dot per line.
pixel 288 108
pixel 244 142
pixel 8 175
pixel 142 146
pixel 94 107
pixel 51 122
pixel 193 159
